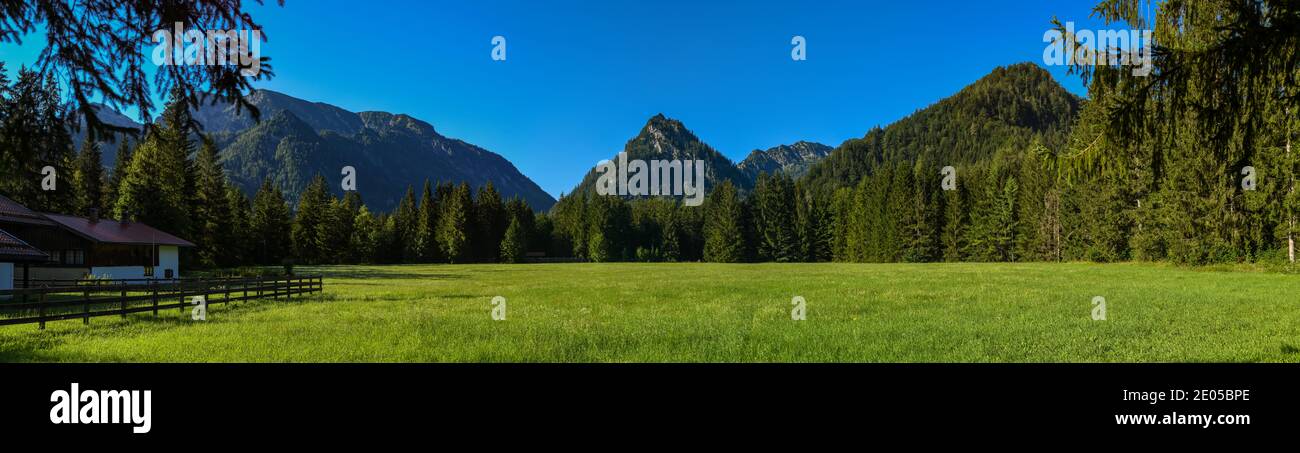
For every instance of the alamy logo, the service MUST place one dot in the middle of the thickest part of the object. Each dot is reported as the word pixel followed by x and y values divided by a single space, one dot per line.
pixel 657 178
pixel 193 47
pixel 1101 47
pixel 77 406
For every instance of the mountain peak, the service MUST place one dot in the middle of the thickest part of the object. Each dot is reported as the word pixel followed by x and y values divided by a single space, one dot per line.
pixel 666 132
pixel 794 159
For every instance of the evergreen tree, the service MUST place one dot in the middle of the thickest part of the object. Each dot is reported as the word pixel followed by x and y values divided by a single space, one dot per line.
pixel 122 164
pixel 491 222
pixel 336 234
pixel 212 210
pixel 406 220
pixel 153 191
pixel 723 228
pixel 426 236
pixel 514 245
pixel 238 250
pixel 453 227
pixel 270 225
pixel 89 180
pixel 365 239
pixel 312 213
pixel 774 219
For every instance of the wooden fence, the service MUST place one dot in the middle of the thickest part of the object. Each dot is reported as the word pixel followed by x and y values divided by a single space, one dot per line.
pixel 67 299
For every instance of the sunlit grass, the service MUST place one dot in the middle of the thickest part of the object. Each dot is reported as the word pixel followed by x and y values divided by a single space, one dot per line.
pixel 715 312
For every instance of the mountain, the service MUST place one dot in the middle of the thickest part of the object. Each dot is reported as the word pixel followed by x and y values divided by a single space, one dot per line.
pixel 793 160
pixel 297 140
pixel 107 145
pixel 320 116
pixel 1010 107
pixel 663 138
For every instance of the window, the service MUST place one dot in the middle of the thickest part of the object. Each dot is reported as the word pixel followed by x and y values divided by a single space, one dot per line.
pixel 148 271
pixel 69 257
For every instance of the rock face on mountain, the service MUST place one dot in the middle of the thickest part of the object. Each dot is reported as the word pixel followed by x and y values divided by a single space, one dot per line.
pixel 297 140
pixel 663 138
pixel 793 160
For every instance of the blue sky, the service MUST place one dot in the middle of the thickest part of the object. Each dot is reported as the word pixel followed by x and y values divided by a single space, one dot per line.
pixel 582 77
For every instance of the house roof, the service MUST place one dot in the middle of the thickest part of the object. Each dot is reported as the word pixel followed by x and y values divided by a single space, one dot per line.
pixel 12 212
pixel 115 232
pixel 14 250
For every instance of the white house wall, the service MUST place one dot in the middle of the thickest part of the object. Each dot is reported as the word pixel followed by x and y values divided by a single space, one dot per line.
pixel 168 259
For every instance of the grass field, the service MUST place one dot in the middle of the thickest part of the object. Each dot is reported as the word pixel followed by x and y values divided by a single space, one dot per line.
pixel 716 312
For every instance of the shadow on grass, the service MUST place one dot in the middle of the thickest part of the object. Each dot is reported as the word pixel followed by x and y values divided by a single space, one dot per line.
pixel 39 345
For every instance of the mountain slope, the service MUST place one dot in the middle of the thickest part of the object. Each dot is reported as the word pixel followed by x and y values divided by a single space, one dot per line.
pixel 298 139
pixel 794 159
pixel 664 138
pixel 320 116
pixel 1012 106
pixel 107 145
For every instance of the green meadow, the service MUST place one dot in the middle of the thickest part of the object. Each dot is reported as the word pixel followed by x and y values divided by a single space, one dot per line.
pixel 718 313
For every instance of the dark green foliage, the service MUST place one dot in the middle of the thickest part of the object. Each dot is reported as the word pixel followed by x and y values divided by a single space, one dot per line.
pixel 775 220
pixel 213 232
pixel 490 224
pixel 515 244
pixel 269 226
pixel 89 179
pixel 34 135
pixel 454 226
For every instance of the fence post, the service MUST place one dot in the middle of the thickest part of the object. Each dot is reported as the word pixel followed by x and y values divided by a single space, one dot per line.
pixel 153 290
pixel 288 288
pixel 123 300
pixel 86 309
pixel 244 283
pixel 226 285
pixel 42 305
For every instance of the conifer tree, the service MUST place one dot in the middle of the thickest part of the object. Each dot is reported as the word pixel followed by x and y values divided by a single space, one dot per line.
pixel 312 213
pixel 514 245
pixel 89 180
pixel 426 227
pixel 407 225
pixel 270 225
pixel 363 244
pixel 121 164
pixel 453 234
pixel 723 227
pixel 491 222
pixel 153 191
pixel 212 210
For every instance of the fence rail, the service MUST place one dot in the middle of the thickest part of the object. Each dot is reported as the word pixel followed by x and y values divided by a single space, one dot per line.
pixel 57 300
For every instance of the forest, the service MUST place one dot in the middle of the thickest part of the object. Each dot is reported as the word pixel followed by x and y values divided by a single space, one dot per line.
pixel 1191 164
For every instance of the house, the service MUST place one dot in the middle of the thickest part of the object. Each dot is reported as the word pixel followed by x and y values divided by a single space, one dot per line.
pixel 14 251
pixel 80 247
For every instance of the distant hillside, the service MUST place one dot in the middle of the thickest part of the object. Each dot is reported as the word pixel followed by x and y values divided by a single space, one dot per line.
pixel 794 160
pixel 297 140
pixel 1009 107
